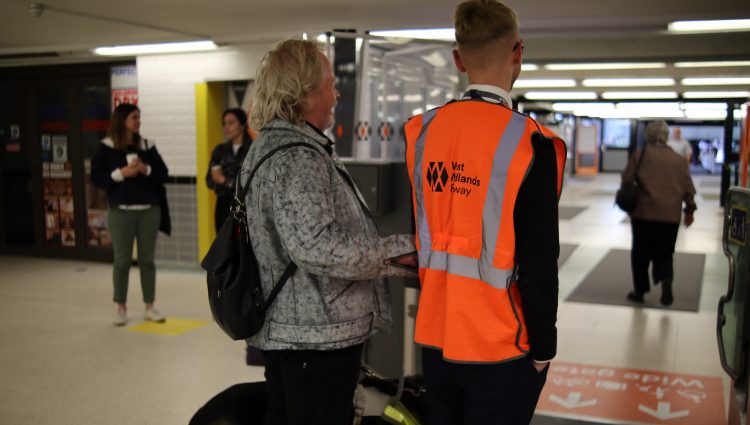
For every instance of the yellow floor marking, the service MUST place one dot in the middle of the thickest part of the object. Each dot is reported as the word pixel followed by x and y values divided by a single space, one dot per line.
pixel 171 326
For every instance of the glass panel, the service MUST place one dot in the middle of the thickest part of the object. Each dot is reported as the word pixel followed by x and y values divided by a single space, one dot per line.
pixel 95 116
pixel 15 169
pixel 57 168
pixel 732 305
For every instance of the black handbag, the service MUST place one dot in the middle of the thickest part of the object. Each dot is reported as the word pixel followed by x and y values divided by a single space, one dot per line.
pixel 235 290
pixel 626 197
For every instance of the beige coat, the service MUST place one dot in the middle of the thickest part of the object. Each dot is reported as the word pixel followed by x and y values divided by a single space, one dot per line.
pixel 664 184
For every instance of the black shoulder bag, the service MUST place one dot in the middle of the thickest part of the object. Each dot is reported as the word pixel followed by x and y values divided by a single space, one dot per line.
pixel 626 197
pixel 235 292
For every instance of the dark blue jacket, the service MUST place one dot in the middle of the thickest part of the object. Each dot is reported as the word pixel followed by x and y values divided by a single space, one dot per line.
pixel 138 190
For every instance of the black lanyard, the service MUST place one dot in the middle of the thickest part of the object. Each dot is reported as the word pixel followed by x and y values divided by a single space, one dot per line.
pixel 475 94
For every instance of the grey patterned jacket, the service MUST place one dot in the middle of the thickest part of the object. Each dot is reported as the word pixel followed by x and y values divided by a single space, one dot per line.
pixel 300 207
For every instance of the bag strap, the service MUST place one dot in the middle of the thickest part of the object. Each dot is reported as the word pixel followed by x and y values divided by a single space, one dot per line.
pixel 288 272
pixel 638 164
pixel 238 211
pixel 242 192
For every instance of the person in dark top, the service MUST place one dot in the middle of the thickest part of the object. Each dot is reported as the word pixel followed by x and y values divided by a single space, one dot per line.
pixel 132 172
pixel 226 161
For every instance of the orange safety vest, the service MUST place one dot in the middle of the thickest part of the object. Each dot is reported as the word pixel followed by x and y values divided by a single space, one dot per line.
pixel 467 161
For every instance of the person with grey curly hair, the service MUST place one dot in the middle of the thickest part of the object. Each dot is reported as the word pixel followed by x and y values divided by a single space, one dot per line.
pixel 304 209
pixel 664 186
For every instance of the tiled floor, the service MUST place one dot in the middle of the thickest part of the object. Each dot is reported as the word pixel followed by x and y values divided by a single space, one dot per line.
pixel 63 362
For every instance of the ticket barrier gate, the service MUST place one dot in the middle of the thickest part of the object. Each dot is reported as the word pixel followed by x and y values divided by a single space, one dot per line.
pixel 733 321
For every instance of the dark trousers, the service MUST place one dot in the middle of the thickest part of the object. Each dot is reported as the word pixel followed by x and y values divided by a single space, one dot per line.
pixel 480 394
pixel 223 203
pixel 653 242
pixel 311 387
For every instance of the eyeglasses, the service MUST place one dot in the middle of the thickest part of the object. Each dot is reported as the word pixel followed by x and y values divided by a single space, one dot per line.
pixel 518 44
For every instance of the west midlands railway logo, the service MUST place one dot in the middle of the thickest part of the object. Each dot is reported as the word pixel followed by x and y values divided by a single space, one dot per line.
pixel 437 176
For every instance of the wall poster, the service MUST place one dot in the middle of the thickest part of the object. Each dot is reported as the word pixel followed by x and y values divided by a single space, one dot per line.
pixel 57 177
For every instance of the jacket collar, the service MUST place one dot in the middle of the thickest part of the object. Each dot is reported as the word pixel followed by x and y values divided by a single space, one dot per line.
pixel 306 129
pixel 108 142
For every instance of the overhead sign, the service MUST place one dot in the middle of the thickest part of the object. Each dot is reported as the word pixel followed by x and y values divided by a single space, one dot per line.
pixel 631 395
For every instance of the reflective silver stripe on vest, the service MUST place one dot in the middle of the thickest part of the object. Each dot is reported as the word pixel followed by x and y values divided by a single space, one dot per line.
pixel 493 203
pixel 423 231
pixel 482 268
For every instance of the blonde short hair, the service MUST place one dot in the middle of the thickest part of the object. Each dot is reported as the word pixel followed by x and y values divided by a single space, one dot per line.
pixel 480 23
pixel 287 75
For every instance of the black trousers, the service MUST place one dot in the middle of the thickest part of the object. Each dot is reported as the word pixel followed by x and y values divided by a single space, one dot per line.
pixel 223 203
pixel 480 394
pixel 653 242
pixel 311 387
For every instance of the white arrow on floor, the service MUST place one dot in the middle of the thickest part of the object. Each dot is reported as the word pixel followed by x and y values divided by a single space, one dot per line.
pixel 573 401
pixel 663 411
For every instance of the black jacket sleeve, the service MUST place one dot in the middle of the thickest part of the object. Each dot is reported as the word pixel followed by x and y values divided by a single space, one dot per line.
pixel 101 168
pixel 537 249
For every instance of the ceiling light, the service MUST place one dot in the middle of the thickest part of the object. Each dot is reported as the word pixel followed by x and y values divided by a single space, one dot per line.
pixel 627 82
pixel 529 67
pixel 710 64
pixel 444 34
pixel 573 106
pixel 649 106
pixel 145 49
pixel 706 114
pixel 710 26
pixel 717 81
pixel 554 95
pixel 598 66
pixel 639 95
pixel 520 84
pixel 716 94
pixel 436 59
pixel 706 106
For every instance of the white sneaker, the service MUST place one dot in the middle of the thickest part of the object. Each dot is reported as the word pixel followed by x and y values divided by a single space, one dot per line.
pixel 122 317
pixel 153 315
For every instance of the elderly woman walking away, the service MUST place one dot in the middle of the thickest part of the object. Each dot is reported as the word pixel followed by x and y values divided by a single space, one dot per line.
pixel 664 187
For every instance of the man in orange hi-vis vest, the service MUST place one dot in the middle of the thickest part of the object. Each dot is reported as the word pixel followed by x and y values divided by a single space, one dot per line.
pixel 486 182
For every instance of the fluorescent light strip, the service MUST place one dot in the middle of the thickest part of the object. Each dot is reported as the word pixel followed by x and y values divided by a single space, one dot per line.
pixel 653 106
pixel 544 83
pixel 529 67
pixel 716 94
pixel 710 64
pixel 716 81
pixel 573 106
pixel 599 66
pixel 554 95
pixel 705 106
pixel 145 49
pixel 639 95
pixel 705 114
pixel 444 34
pixel 710 26
pixel 627 82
